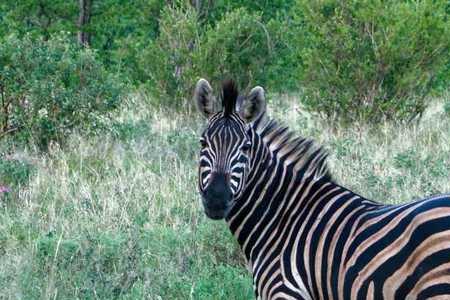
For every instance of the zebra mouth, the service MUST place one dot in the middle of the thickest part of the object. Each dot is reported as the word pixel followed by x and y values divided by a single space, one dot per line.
pixel 215 210
pixel 215 215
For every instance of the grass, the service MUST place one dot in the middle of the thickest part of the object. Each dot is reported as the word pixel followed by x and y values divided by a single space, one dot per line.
pixel 117 216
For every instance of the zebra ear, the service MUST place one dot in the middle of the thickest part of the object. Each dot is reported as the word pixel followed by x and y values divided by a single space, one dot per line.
pixel 204 97
pixel 253 106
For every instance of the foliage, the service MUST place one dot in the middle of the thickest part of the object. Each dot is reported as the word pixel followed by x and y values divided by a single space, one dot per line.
pixel 254 42
pixel 120 32
pixel 281 73
pixel 14 172
pixel 38 18
pixel 447 105
pixel 169 61
pixel 370 60
pixel 238 46
pixel 48 88
pixel 211 11
pixel 111 24
pixel 360 60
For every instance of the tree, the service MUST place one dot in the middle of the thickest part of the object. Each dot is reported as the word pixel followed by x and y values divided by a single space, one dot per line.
pixel 84 18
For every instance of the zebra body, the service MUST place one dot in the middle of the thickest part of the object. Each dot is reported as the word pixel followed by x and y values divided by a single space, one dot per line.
pixel 303 235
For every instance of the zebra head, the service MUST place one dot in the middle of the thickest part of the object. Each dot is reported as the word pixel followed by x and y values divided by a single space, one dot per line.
pixel 225 144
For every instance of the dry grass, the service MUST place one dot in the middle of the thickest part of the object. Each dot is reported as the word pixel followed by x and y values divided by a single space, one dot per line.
pixel 117 216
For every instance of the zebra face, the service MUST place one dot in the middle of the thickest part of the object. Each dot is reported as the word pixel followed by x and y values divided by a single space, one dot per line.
pixel 225 145
pixel 224 157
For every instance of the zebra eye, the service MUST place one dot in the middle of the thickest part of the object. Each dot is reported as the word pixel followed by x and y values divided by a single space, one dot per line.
pixel 203 143
pixel 246 147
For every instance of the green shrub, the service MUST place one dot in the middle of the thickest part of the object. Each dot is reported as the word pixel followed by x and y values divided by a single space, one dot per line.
pixel 237 46
pixel 49 88
pixel 269 10
pixel 281 72
pixel 447 108
pixel 372 60
pixel 169 60
pixel 272 38
pixel 15 173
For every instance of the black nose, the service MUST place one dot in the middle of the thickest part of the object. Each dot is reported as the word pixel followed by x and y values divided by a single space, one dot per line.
pixel 217 196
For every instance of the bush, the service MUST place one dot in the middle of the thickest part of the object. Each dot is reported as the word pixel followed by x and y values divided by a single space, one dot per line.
pixel 238 46
pixel 447 107
pixel 269 10
pixel 49 88
pixel 169 60
pixel 15 173
pixel 372 60
pixel 282 70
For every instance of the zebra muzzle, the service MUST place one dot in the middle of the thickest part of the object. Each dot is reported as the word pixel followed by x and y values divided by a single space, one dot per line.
pixel 217 197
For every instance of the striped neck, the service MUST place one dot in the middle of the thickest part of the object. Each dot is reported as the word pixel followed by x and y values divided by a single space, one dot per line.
pixel 254 199
pixel 276 191
pixel 277 163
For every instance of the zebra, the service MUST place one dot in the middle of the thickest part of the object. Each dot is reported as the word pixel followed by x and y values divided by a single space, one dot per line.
pixel 303 235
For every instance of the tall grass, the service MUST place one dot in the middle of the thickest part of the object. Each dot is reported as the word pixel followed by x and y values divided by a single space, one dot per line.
pixel 118 216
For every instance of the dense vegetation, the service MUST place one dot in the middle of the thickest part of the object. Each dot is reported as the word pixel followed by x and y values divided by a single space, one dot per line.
pixel 372 60
pixel 98 137
pixel 52 87
pixel 355 60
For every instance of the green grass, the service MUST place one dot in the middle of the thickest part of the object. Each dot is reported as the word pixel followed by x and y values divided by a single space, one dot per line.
pixel 118 215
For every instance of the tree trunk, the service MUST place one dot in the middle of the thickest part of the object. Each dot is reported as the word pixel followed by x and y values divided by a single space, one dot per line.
pixel 198 5
pixel 45 20
pixel 83 20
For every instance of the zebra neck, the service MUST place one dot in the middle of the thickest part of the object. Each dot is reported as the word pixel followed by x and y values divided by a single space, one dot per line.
pixel 275 199
pixel 265 195
pixel 262 166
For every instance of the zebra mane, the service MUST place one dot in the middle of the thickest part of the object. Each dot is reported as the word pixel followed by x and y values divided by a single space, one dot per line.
pixel 229 96
pixel 304 154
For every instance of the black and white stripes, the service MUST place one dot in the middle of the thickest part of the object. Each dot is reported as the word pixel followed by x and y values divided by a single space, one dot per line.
pixel 305 236
pixel 225 147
